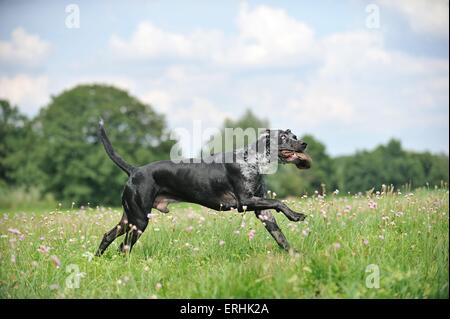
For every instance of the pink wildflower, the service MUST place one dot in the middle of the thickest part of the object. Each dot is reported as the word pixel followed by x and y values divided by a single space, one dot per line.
pixel 43 249
pixel 55 261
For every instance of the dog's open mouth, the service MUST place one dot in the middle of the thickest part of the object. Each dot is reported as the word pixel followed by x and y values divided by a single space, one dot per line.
pixel 300 159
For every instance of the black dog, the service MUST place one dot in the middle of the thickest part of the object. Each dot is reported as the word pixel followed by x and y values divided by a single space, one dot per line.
pixel 219 186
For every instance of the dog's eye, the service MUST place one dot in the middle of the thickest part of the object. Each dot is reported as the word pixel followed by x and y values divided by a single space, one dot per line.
pixel 283 137
pixel 294 137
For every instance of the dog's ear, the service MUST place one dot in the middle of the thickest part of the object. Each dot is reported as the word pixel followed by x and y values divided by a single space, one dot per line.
pixel 288 131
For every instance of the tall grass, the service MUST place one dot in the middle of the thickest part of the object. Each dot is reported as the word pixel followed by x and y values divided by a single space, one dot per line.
pixel 198 253
pixel 26 199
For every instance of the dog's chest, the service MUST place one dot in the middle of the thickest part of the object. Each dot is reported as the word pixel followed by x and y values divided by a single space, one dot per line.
pixel 251 179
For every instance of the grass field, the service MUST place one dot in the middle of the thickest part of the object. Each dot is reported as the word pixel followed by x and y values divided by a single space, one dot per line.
pixel 198 253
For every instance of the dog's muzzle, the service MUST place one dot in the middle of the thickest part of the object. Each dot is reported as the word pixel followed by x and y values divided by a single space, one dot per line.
pixel 299 158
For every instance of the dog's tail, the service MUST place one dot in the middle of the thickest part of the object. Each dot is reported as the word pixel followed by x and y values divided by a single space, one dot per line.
pixel 127 168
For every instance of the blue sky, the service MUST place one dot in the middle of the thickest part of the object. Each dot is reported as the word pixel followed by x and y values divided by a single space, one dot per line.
pixel 313 66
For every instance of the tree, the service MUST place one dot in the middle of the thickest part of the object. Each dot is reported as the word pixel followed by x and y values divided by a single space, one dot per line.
pixel 228 143
pixel 390 164
pixel 14 131
pixel 74 163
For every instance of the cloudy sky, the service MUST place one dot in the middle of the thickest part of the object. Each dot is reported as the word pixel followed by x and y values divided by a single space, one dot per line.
pixel 352 73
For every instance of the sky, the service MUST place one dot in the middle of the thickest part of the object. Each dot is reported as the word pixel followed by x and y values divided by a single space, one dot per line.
pixel 352 73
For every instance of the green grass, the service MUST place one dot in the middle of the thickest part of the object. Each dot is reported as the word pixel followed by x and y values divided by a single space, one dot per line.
pixel 180 256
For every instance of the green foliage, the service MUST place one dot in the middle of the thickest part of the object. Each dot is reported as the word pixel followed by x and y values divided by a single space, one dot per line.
pixel 390 164
pixel 58 151
pixel 14 135
pixel 67 151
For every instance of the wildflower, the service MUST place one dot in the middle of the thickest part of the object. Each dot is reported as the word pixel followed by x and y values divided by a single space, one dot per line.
pixel 336 246
pixel 251 234
pixel 158 286
pixel 237 232
pixel 126 248
pixel 381 237
pixel 54 287
pixel 146 268
pixel 372 204
pixel 244 207
pixel 43 249
pixel 13 259
pixel 34 263
pixel 14 231
pixel 399 214
pixel 221 242
pixel 189 228
pixel 305 232
pixel 366 242
pixel 55 261
pixel 149 216
pixel 336 192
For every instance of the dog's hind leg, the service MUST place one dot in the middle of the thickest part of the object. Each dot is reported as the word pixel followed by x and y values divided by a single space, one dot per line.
pixel 272 227
pixel 137 208
pixel 110 236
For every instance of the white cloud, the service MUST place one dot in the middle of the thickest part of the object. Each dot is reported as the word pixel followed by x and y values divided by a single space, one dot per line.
pixel 161 100
pixel 23 48
pixel 266 36
pixel 28 93
pixel 149 41
pixel 361 83
pixel 424 16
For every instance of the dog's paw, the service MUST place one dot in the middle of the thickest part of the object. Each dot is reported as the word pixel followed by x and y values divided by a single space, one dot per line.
pixel 296 217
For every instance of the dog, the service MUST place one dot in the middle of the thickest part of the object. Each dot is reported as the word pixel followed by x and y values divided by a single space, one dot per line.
pixel 220 186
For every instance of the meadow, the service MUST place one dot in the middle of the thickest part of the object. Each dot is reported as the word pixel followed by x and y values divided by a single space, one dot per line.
pixel 400 238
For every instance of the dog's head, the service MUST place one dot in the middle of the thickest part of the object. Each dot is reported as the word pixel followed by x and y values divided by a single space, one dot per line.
pixel 290 149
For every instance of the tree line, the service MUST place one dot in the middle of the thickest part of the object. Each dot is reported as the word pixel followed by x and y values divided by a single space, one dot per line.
pixel 58 152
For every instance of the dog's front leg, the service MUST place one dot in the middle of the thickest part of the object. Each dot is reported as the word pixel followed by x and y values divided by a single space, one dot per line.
pixel 258 203
pixel 272 227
